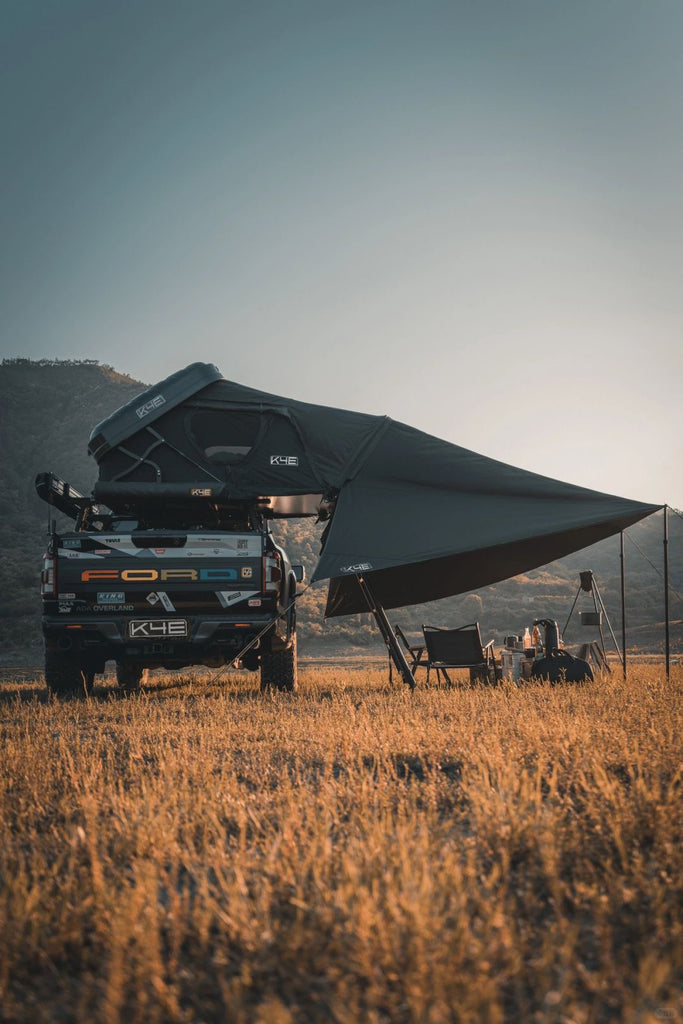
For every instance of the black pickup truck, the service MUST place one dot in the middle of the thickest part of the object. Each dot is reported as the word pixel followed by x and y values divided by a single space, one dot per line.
pixel 164 592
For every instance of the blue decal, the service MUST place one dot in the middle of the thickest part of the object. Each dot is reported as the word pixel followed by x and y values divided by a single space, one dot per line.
pixel 112 597
pixel 217 575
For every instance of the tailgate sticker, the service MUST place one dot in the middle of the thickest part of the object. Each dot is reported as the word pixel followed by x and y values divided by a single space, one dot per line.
pixel 228 597
pixel 226 546
pixel 166 600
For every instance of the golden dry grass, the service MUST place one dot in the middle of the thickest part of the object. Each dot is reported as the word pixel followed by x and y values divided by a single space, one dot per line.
pixel 353 853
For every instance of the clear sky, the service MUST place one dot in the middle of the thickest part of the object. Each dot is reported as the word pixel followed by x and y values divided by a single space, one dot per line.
pixel 467 215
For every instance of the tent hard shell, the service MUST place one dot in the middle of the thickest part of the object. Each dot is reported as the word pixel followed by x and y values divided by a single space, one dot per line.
pixel 416 517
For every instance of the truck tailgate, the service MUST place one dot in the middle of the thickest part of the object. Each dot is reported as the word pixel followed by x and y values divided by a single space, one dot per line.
pixel 182 573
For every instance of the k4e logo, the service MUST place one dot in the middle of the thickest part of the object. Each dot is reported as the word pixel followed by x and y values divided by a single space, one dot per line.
pixel 247 572
pixel 149 628
pixel 284 460
pixel 148 407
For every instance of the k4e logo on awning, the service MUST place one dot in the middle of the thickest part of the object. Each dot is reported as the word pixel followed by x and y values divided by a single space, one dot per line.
pixel 165 575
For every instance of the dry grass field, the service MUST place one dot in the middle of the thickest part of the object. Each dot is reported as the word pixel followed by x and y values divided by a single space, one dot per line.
pixel 352 853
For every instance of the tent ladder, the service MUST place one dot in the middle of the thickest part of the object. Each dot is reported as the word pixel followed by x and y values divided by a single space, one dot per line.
pixel 395 652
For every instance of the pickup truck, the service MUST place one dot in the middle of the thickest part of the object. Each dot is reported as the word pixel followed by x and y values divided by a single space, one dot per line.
pixel 163 594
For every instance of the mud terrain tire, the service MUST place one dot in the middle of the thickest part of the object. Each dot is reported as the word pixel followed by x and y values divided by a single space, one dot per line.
pixel 130 676
pixel 279 670
pixel 64 676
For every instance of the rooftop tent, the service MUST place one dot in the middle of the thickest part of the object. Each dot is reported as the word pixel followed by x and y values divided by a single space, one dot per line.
pixel 417 517
pixel 196 437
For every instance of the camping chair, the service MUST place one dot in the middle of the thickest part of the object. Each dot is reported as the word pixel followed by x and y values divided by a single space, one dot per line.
pixel 459 648
pixel 414 652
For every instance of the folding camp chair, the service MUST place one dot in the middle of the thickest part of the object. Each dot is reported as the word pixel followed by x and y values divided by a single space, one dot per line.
pixel 459 648
pixel 415 652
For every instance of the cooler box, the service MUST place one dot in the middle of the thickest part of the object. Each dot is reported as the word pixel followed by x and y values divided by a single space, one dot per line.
pixel 511 664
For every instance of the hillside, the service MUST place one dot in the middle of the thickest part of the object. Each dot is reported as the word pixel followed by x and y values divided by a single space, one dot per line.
pixel 47 410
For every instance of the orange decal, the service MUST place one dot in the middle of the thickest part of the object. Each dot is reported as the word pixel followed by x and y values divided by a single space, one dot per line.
pixel 179 574
pixel 99 574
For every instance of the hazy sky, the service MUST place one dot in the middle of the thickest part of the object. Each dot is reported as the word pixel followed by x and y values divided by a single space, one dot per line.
pixel 467 215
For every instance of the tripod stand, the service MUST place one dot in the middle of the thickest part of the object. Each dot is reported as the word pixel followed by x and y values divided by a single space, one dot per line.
pixel 589 585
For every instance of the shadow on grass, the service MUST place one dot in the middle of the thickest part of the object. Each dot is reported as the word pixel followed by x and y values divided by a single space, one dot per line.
pixel 240 690
pixel 10 693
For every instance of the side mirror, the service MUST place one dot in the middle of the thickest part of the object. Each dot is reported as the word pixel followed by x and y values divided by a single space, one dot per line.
pixel 299 573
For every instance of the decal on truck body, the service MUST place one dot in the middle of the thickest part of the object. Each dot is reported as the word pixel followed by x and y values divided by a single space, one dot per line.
pixel 228 597
pixel 227 546
pixel 217 575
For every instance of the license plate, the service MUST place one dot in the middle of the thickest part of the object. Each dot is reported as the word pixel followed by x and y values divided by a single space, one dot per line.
pixel 156 629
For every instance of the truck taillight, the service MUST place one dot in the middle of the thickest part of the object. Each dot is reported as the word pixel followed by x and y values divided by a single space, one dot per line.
pixel 48 577
pixel 272 573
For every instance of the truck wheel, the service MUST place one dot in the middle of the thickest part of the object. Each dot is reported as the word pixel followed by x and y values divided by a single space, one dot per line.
pixel 279 669
pixel 130 676
pixel 64 676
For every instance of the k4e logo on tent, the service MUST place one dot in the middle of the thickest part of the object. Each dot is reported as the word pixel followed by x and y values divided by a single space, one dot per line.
pixel 284 460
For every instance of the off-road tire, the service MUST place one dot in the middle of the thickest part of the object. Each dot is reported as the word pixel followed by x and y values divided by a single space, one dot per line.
pixel 130 676
pixel 279 669
pixel 64 676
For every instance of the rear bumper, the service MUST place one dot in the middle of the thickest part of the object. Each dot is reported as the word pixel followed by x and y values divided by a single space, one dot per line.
pixel 212 641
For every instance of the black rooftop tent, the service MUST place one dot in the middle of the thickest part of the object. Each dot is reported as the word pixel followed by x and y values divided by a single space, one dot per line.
pixel 415 517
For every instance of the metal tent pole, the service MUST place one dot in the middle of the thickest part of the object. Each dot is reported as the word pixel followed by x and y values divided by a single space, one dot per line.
pixel 623 604
pixel 571 610
pixel 385 629
pixel 667 636
pixel 598 595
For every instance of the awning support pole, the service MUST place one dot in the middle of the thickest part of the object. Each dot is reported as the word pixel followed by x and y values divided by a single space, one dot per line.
pixel 623 604
pixel 667 637
pixel 395 652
